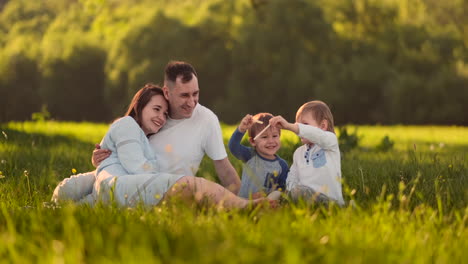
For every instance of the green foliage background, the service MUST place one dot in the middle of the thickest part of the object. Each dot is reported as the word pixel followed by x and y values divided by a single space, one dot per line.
pixel 373 61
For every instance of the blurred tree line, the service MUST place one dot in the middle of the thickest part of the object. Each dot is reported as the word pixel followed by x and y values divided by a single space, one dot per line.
pixel 372 61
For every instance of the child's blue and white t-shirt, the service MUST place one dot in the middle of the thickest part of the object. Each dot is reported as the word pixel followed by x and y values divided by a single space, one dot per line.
pixel 258 174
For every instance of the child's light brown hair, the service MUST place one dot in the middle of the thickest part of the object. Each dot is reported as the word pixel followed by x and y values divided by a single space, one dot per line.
pixel 319 110
pixel 256 127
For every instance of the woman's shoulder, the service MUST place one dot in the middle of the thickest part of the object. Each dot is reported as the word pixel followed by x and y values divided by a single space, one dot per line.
pixel 126 123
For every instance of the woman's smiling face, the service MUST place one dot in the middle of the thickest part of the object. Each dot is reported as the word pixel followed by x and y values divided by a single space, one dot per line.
pixel 154 114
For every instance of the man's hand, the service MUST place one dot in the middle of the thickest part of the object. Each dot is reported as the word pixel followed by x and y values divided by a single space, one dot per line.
pixel 281 123
pixel 99 155
pixel 246 123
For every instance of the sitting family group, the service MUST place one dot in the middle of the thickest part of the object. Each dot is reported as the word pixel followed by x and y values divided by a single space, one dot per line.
pixel 153 152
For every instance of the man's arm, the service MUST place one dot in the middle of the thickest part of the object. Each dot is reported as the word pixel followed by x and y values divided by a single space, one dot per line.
pixel 227 175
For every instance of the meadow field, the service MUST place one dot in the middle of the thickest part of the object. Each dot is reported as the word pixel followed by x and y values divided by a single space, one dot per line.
pixel 406 203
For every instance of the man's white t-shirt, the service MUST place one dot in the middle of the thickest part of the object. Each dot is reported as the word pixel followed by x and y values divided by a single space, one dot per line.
pixel 181 144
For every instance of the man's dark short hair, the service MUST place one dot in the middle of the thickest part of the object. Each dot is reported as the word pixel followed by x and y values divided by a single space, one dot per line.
pixel 175 69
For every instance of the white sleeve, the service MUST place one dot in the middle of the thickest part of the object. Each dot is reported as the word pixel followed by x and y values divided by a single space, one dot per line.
pixel 292 179
pixel 324 139
pixel 213 139
pixel 126 135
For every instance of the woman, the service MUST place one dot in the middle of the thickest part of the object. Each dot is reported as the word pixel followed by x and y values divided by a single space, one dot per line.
pixel 130 175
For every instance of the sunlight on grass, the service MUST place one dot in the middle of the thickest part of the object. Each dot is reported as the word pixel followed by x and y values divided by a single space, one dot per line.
pixel 404 205
pixel 88 132
pixel 406 136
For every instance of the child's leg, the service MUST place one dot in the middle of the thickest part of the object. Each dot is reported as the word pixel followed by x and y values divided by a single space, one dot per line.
pixel 199 190
pixel 307 194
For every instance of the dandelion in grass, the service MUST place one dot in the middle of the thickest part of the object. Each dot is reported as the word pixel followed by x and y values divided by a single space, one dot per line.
pixel 73 171
pixel 26 174
pixel 324 240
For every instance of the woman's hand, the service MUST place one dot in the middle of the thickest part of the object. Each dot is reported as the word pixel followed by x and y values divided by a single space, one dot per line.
pixel 99 155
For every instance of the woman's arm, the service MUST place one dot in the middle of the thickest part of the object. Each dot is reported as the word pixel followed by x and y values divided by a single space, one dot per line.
pixel 130 144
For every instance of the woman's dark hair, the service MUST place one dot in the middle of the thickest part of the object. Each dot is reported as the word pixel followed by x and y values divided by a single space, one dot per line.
pixel 141 99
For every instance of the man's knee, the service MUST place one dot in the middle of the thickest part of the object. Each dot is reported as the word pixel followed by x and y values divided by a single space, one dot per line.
pixel 186 183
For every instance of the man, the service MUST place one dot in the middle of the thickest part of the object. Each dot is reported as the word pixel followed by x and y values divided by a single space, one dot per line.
pixel 191 131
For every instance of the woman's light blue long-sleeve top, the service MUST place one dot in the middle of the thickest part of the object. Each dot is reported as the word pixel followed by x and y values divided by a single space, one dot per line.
pixel 130 149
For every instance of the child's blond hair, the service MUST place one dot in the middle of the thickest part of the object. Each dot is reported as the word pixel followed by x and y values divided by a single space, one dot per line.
pixel 319 110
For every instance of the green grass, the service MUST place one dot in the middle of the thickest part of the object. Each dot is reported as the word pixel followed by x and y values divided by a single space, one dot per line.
pixel 409 206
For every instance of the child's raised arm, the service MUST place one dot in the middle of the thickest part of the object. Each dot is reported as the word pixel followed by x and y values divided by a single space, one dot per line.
pixel 237 149
pixel 246 123
pixel 281 123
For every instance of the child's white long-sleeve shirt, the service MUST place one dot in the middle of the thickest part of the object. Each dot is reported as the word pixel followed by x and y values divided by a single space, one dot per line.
pixel 317 166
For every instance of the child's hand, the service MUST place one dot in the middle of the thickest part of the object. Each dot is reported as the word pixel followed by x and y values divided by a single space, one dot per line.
pixel 281 123
pixel 245 123
pixel 258 195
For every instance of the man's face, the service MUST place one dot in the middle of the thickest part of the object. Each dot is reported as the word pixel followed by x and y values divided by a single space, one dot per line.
pixel 183 97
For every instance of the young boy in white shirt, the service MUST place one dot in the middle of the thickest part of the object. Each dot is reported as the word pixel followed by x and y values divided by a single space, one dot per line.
pixel 315 174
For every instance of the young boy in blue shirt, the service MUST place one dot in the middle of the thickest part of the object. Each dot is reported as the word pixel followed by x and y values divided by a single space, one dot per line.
pixel 264 171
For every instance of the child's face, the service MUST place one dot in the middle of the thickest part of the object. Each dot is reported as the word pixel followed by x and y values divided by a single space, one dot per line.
pixel 307 119
pixel 268 143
